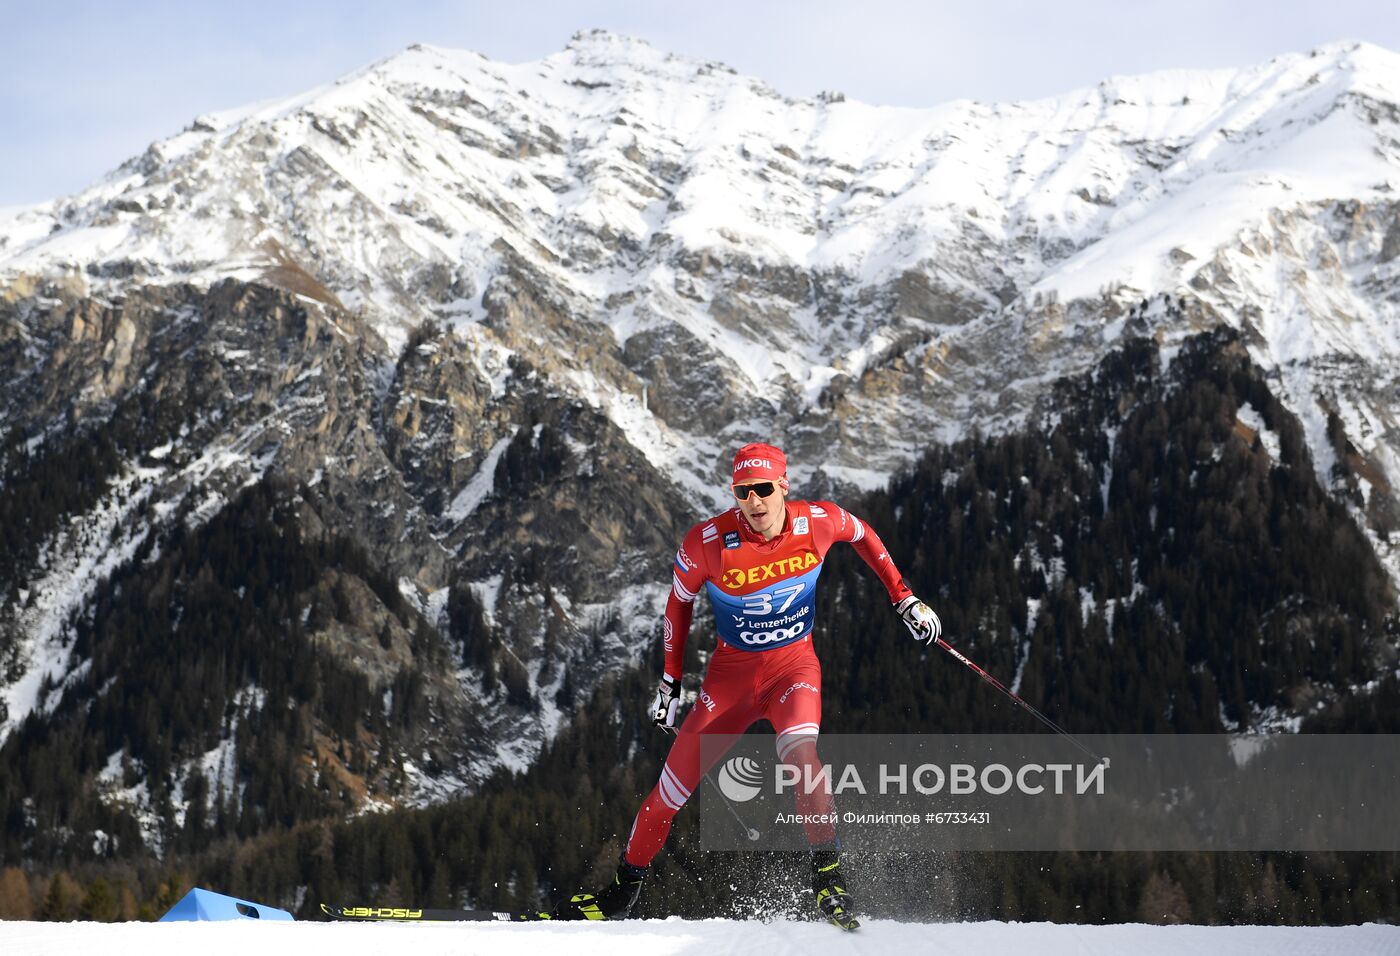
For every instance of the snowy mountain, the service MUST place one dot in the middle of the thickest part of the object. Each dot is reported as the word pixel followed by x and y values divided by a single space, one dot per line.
pixel 488 316
pixel 658 206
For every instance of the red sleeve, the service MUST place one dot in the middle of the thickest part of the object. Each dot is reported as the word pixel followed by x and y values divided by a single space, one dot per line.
pixel 688 574
pixel 832 523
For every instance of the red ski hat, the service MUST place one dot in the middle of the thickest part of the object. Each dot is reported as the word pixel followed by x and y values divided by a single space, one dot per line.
pixel 759 462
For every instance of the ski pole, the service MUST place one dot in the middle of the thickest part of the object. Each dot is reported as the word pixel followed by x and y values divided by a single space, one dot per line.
pixel 1017 699
pixel 749 831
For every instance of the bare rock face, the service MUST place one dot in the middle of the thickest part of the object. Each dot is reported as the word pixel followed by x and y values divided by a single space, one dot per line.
pixel 679 372
pixel 440 417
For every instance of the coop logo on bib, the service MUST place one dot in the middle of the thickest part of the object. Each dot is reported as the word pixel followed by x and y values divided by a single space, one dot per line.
pixel 773 636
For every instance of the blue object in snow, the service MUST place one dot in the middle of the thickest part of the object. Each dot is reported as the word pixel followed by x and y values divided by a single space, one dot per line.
pixel 207 905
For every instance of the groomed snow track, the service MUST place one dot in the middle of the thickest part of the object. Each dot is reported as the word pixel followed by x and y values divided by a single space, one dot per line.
pixel 675 937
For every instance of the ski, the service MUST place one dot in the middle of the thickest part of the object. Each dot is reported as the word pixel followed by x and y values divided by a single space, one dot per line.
pixel 404 914
pixel 411 914
pixel 407 914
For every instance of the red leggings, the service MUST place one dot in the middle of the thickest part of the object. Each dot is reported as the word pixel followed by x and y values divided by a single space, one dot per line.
pixel 740 688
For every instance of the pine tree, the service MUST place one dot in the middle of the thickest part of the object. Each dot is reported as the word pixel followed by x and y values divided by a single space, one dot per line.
pixel 16 900
pixel 61 901
pixel 99 902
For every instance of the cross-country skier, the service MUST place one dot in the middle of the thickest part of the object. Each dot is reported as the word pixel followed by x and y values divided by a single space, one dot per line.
pixel 759 563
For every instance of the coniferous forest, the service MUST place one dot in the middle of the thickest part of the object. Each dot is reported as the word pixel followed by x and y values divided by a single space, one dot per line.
pixel 1145 559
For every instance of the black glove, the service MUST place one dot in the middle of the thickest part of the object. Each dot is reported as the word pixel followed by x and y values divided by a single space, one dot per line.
pixel 666 703
pixel 920 619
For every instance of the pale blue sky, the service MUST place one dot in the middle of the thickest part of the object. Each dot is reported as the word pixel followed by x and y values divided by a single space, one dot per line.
pixel 84 84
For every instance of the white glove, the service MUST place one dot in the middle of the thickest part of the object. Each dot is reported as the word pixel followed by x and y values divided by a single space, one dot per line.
pixel 666 703
pixel 920 619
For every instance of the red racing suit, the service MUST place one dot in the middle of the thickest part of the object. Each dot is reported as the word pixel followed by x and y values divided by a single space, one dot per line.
pixel 763 594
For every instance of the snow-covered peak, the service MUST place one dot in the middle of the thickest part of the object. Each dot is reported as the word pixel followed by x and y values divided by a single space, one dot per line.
pixel 603 48
pixel 672 201
pixel 612 134
pixel 1181 162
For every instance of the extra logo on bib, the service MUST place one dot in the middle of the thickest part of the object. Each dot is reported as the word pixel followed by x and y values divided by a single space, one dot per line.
pixel 736 578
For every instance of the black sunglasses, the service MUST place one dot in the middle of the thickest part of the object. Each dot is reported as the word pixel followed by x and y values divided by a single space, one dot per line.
pixel 763 489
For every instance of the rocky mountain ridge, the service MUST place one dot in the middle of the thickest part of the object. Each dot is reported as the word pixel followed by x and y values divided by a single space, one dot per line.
pixel 610 208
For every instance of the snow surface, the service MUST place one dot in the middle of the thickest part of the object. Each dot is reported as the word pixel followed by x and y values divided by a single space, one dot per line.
pixel 479 487
pixel 674 937
pixel 1254 421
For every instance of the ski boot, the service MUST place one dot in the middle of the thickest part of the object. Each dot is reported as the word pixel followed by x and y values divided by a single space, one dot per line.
pixel 614 902
pixel 830 887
